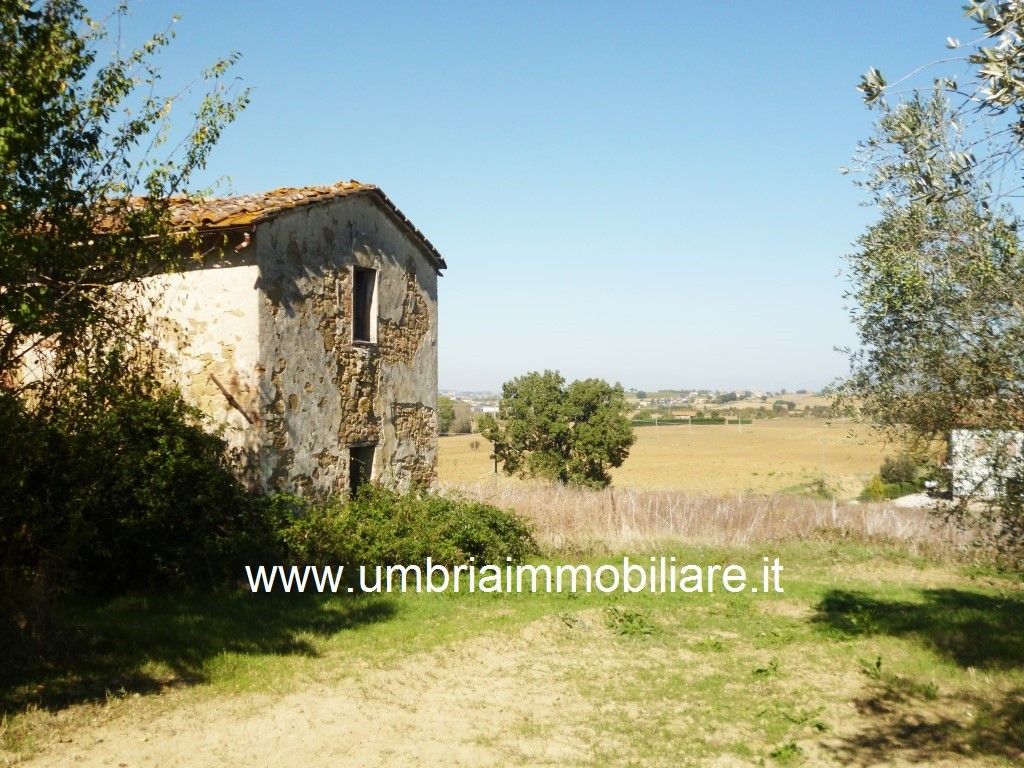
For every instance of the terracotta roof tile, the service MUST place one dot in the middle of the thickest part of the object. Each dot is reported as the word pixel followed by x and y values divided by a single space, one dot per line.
pixel 216 213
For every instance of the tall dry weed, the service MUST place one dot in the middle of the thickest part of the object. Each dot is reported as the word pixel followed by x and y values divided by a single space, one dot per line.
pixel 582 520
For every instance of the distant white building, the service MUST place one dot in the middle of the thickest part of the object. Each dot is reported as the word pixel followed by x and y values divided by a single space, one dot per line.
pixel 982 460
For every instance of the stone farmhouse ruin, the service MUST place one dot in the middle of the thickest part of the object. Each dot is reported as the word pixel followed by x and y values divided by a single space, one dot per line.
pixel 309 334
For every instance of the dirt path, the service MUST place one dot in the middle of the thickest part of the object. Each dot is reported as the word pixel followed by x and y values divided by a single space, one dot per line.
pixel 505 702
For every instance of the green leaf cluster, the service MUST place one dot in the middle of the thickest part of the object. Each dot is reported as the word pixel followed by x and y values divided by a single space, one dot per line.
pixel 937 282
pixel 86 175
pixel 445 414
pixel 383 527
pixel 128 496
pixel 573 433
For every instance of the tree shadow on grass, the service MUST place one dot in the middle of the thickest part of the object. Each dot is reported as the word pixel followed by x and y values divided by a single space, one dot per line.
pixel 968 628
pixel 924 732
pixel 144 644
pixel 916 721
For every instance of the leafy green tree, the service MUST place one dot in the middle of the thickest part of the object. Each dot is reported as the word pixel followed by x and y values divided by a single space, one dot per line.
pixel 109 473
pixel 572 433
pixel 937 282
pixel 898 469
pixel 445 414
pixel 86 174
pixel 937 285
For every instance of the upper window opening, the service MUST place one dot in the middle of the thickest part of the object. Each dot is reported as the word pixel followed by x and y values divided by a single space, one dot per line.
pixel 364 304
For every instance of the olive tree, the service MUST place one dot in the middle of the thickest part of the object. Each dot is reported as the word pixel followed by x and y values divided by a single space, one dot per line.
pixel 937 282
pixel 573 433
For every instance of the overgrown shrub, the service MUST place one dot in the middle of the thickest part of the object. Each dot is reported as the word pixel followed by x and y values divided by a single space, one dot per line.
pixel 382 527
pixel 123 494
pixel 898 476
pixel 156 499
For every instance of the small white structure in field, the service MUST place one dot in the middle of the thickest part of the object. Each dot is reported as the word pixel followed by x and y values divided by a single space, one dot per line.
pixel 982 460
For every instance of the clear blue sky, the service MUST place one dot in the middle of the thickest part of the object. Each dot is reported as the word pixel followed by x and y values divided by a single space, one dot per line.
pixel 646 192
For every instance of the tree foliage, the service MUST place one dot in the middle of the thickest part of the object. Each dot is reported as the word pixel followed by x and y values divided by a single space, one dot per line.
pixel 572 433
pixel 937 293
pixel 131 496
pixel 445 414
pixel 112 482
pixel 986 109
pixel 937 282
pixel 86 173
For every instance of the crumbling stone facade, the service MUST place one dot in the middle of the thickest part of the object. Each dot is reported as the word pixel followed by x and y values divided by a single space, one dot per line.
pixel 263 337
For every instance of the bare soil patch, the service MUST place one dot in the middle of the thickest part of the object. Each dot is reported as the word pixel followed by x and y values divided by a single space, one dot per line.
pixel 444 707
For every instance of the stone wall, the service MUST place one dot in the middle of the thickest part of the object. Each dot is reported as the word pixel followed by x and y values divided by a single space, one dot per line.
pixel 262 343
pixel 324 393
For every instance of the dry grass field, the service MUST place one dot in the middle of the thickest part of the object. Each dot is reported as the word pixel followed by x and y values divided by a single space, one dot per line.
pixel 768 456
pixel 582 520
pixel 889 644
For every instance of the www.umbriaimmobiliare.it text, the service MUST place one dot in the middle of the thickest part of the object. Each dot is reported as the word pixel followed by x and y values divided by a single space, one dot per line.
pixel 655 575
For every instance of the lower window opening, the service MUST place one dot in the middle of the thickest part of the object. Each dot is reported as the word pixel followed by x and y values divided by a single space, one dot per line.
pixel 360 466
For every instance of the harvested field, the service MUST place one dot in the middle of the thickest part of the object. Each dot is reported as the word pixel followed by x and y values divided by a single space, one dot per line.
pixel 795 455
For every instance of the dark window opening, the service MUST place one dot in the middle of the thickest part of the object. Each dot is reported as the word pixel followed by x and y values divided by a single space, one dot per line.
pixel 360 466
pixel 364 283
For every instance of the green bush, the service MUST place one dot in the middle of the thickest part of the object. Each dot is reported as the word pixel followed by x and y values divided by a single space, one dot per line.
pixel 382 527
pixel 898 476
pixel 879 490
pixel 128 492
pixel 122 494
pixel 874 490
pixel 899 469
pixel 445 414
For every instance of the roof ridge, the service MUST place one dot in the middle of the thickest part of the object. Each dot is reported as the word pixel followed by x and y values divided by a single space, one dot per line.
pixel 252 208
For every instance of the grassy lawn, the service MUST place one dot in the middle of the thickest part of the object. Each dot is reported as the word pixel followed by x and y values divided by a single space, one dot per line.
pixel 784 454
pixel 870 656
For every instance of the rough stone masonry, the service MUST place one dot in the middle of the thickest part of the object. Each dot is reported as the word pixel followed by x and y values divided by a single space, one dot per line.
pixel 308 333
